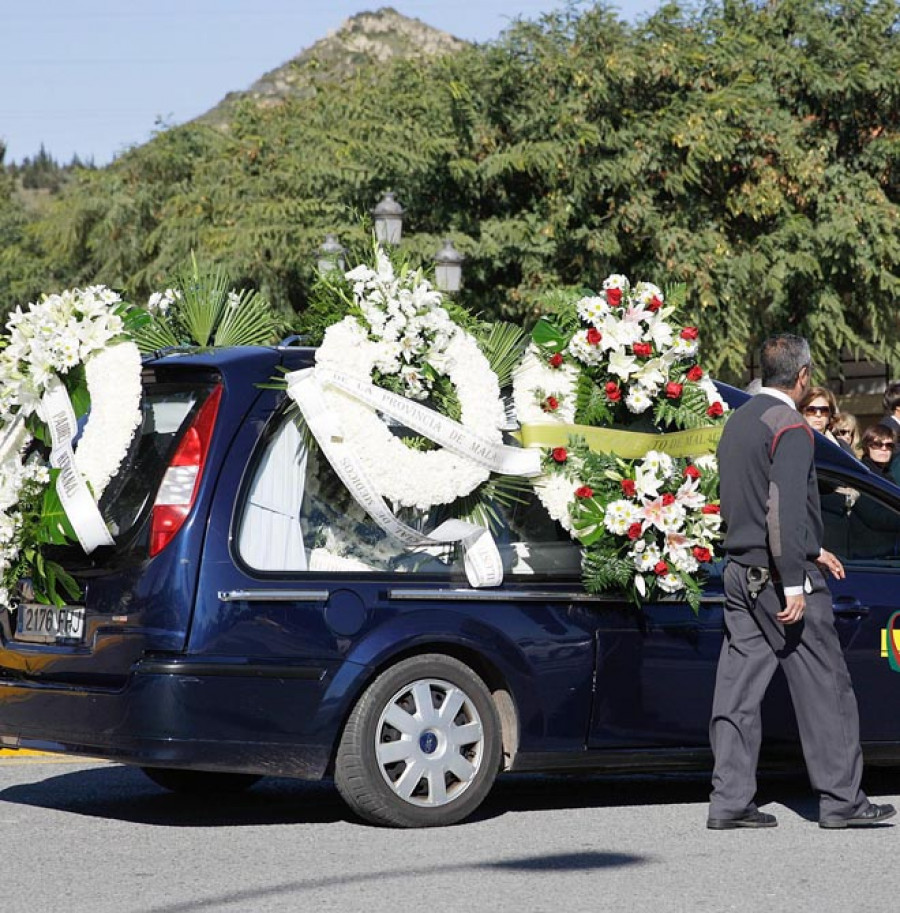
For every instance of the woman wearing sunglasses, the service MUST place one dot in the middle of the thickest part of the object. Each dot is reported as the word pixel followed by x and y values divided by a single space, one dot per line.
pixel 819 408
pixel 846 428
pixel 878 445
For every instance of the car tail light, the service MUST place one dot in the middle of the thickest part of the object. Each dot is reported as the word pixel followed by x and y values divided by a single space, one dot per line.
pixel 178 489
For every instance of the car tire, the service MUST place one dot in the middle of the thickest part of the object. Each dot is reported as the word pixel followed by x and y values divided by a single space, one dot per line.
pixel 407 757
pixel 200 782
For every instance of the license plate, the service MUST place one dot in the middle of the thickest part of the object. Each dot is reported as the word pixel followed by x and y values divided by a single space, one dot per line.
pixel 49 624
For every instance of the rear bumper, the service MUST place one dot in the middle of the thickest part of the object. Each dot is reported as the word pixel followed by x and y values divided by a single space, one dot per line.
pixel 172 712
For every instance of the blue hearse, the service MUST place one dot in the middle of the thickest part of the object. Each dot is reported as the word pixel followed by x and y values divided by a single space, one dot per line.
pixel 250 621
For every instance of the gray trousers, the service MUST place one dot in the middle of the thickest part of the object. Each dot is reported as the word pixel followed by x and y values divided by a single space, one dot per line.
pixel 810 654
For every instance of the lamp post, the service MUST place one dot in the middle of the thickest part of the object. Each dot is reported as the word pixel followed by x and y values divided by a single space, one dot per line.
pixel 331 255
pixel 448 267
pixel 388 215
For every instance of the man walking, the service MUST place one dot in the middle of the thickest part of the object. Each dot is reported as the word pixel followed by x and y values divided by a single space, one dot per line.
pixel 778 607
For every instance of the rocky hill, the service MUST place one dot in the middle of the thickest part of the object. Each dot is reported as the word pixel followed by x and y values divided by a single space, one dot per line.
pixel 363 39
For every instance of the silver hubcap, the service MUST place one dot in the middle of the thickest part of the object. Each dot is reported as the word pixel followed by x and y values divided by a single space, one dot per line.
pixel 429 743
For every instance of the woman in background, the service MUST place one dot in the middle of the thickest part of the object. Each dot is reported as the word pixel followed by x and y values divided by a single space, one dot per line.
pixel 878 445
pixel 845 428
pixel 819 408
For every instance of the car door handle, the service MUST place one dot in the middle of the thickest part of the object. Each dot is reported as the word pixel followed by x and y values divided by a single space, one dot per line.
pixel 849 607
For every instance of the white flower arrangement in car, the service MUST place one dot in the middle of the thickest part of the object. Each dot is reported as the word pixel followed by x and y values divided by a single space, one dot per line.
pixel 55 369
pixel 610 390
pixel 405 403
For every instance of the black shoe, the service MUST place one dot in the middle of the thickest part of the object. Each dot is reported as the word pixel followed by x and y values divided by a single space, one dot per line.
pixel 874 814
pixel 751 819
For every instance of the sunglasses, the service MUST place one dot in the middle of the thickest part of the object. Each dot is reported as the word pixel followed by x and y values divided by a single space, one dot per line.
pixel 882 445
pixel 817 410
pixel 842 432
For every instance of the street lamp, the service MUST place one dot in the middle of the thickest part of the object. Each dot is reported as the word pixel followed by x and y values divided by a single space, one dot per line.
pixel 331 255
pixel 448 267
pixel 388 215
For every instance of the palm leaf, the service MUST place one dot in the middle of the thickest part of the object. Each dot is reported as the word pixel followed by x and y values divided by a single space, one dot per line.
pixel 503 346
pixel 203 299
pixel 247 320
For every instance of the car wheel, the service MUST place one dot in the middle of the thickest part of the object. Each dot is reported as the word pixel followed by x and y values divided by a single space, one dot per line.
pixel 199 782
pixel 422 746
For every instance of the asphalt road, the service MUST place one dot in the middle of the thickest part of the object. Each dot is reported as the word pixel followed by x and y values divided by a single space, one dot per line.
pixel 79 837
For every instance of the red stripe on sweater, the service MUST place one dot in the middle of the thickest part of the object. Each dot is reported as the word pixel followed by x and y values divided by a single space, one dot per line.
pixel 802 425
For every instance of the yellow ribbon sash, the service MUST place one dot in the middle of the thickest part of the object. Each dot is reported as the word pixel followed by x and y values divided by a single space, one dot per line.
pixel 626 444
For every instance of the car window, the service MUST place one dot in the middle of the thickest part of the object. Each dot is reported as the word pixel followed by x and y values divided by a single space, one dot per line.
pixel 859 526
pixel 296 515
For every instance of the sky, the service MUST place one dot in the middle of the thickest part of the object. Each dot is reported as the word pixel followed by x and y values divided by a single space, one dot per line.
pixel 94 77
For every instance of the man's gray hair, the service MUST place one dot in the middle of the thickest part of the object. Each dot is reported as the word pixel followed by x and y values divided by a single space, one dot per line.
pixel 781 358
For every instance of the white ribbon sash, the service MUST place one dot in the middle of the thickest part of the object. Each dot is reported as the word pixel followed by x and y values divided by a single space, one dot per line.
pixel 76 498
pixel 480 555
pixel 445 432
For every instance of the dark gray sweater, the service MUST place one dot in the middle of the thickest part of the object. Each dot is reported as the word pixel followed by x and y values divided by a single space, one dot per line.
pixel 770 498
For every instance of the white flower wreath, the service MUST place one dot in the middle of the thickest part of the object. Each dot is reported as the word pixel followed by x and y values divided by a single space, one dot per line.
pixel 412 478
pixel 49 342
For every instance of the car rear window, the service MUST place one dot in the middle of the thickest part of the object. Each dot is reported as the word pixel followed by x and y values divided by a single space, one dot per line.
pixel 167 410
pixel 168 407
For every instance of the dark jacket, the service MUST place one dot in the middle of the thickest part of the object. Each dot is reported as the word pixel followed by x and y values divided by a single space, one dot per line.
pixel 769 491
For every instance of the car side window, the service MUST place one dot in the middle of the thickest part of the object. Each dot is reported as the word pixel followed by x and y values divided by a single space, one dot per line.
pixel 859 526
pixel 297 515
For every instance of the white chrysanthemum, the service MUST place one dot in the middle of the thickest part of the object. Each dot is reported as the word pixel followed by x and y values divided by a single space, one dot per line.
pixel 587 353
pixel 669 583
pixel 645 555
pixel 616 280
pixel 556 493
pixel 645 292
pixel 685 348
pixel 534 374
pixel 660 463
pixel 638 400
pixel 619 515
pixel 115 413
pixel 406 477
pixel 592 309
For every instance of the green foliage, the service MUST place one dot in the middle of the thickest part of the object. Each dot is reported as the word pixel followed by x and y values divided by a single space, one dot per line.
pixel 748 151
pixel 208 312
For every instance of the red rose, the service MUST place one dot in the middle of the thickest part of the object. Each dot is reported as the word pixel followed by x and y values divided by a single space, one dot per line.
pixel 594 336
pixel 614 297
pixel 654 305
pixel 692 472
pixel 709 509
pixel 555 360
pixel 661 568
pixel 584 492
pixel 701 554
pixel 715 410
pixel 613 392
pixel 668 500
pixel 560 454
pixel 642 349
pixel 634 531
pixel 550 404
pixel 690 333
pixel 628 487
pixel 673 390
pixel 695 373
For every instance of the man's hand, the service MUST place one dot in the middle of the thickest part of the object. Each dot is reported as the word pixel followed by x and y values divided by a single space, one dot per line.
pixel 831 563
pixel 793 610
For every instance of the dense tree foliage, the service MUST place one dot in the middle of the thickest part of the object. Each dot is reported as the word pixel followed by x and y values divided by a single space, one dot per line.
pixel 751 152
